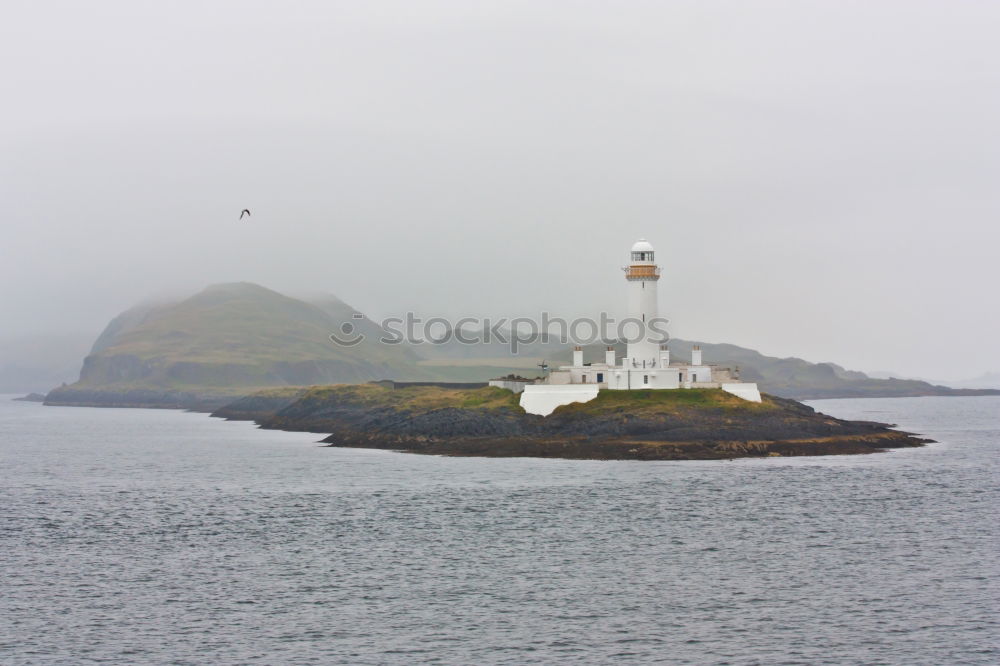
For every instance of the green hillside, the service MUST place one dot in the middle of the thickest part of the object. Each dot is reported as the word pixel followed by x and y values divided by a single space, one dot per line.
pixel 231 339
pixel 236 335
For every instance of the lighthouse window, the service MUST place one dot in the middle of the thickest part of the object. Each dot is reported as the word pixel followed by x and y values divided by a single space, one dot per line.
pixel 642 256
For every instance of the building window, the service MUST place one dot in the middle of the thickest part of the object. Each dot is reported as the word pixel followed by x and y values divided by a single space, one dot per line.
pixel 645 379
pixel 600 377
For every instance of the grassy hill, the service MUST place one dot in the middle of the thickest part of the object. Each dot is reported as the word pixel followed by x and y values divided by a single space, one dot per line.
pixel 236 335
pixel 232 339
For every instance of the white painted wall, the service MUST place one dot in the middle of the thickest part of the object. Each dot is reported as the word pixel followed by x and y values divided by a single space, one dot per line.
pixel 668 378
pixel 617 380
pixel 588 374
pixel 747 391
pixel 698 373
pixel 509 384
pixel 542 399
pixel 642 305
pixel 624 380
pixel 559 377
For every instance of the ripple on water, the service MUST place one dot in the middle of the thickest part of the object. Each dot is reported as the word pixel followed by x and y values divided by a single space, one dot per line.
pixel 134 535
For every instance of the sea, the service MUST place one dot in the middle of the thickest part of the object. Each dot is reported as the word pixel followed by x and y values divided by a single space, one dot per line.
pixel 132 536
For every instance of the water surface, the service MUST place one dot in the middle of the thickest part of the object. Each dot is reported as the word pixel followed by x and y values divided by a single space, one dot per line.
pixel 139 536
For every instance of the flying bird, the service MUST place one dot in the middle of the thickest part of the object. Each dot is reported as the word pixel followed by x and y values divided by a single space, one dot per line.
pixel 246 211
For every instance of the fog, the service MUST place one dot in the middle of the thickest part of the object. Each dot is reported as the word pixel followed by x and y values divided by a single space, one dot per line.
pixel 819 178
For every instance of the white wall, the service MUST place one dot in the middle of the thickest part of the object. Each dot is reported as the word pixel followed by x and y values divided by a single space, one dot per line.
pixel 698 373
pixel 590 372
pixel 542 399
pixel 642 305
pixel 622 380
pixel 560 377
pixel 510 385
pixel 747 391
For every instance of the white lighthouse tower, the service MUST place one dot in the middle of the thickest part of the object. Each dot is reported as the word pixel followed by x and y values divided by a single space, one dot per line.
pixel 642 274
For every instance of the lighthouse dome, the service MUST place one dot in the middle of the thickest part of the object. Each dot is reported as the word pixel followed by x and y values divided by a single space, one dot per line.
pixel 642 252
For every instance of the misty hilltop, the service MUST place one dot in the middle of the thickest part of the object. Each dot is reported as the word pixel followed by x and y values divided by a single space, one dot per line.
pixel 230 339
pixel 237 334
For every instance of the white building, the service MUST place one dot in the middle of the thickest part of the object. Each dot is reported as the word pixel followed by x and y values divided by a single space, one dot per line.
pixel 646 364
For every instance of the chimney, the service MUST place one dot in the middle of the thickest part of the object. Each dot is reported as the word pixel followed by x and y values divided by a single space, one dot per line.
pixel 664 357
pixel 578 356
pixel 609 356
pixel 696 355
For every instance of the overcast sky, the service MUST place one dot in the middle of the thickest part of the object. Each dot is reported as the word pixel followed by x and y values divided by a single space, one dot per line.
pixel 820 179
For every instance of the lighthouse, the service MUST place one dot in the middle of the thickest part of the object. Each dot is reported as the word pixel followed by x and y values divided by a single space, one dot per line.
pixel 647 363
pixel 642 274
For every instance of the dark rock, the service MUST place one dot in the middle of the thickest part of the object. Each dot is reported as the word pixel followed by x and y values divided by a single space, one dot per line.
pixel 258 405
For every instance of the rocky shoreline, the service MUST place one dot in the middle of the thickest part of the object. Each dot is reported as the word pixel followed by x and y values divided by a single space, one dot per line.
pixel 31 397
pixel 636 425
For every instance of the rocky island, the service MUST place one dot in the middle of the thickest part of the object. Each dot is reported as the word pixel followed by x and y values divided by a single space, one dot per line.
pixel 695 424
